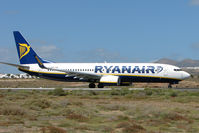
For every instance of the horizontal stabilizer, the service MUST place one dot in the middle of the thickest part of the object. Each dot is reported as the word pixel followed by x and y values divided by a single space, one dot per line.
pixel 15 65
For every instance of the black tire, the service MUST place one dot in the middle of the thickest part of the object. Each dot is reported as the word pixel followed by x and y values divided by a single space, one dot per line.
pixel 169 86
pixel 91 85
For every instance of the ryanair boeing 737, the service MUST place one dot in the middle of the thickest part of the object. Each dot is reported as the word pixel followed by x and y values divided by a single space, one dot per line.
pixel 120 74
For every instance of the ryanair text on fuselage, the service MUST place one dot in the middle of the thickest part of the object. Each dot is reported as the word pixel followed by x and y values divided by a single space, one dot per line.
pixel 128 69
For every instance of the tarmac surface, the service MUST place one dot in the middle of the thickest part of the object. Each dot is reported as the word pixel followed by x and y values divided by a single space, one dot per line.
pixel 95 89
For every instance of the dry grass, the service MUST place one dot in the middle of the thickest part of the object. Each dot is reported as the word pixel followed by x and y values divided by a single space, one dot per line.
pixel 71 113
pixel 77 117
pixel 147 111
pixel 52 129
pixel 12 110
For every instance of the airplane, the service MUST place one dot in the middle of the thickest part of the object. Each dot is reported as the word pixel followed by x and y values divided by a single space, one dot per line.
pixel 102 74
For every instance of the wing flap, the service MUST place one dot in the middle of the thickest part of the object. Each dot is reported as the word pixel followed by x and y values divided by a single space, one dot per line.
pixel 83 75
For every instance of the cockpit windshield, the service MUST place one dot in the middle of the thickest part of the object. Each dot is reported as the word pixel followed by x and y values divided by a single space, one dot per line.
pixel 178 69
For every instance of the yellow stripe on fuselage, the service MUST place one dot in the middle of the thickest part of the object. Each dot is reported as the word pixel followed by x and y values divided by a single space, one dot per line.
pixel 147 76
pixel 109 82
pixel 41 72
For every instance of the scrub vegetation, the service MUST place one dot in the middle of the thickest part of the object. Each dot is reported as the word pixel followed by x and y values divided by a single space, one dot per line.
pixel 116 111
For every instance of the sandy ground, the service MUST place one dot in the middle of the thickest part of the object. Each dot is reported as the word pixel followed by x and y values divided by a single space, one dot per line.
pixel 36 83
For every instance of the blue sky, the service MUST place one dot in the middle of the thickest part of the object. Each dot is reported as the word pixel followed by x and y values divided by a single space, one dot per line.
pixel 101 30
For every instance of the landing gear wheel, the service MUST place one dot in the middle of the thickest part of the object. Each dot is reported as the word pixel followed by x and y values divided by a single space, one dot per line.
pixel 100 85
pixel 91 85
pixel 170 86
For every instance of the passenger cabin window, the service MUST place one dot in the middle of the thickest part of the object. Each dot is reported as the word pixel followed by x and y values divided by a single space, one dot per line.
pixel 177 69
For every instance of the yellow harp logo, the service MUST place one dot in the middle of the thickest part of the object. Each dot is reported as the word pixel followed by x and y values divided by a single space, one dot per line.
pixel 24 49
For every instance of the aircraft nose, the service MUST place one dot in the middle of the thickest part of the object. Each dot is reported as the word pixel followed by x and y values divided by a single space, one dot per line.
pixel 186 75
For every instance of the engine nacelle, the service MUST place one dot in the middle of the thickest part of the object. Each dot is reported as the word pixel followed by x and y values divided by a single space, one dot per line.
pixel 110 80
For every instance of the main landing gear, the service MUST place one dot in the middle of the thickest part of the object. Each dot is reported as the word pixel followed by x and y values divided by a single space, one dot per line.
pixel 92 85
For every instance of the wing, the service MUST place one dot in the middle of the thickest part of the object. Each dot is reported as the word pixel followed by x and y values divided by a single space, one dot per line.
pixel 83 75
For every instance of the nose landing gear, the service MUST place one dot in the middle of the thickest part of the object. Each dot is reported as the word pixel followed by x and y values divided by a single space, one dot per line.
pixel 170 85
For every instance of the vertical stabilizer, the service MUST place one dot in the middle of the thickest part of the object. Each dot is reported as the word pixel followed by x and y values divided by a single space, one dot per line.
pixel 25 52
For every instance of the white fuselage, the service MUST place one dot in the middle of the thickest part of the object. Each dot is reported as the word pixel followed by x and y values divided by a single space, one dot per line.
pixel 135 72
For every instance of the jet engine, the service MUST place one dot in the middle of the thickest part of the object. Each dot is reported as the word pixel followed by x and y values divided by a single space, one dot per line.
pixel 110 79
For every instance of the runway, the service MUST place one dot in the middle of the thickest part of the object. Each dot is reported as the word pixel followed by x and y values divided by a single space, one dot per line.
pixel 96 89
